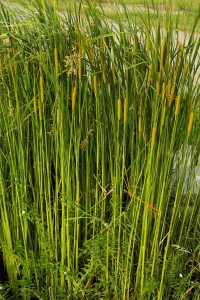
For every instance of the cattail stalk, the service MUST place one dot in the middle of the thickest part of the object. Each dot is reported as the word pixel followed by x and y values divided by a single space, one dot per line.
pixel 40 109
pixel 135 51
pixel 157 86
pixel 125 110
pixel 163 91
pixel 185 70
pixel 12 72
pixel 140 117
pixel 180 52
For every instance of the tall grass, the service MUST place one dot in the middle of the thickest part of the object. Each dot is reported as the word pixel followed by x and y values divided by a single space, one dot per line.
pixel 92 114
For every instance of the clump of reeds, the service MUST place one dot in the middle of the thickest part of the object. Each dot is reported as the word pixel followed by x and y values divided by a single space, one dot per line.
pixel 91 116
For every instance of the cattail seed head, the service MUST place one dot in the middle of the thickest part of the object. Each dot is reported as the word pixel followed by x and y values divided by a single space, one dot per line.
pixel 79 68
pixel 157 87
pixel 163 116
pixel 191 120
pixel 41 89
pixel 119 109
pixel 153 137
pixel 162 53
pixel 91 52
pixel 95 85
pixel 171 94
pixel 101 45
pixel 58 116
pixel 56 61
pixel 147 45
pixel 140 124
pixel 114 76
pixel 169 91
pixel 73 99
pixel 177 108
pixel 35 104
pixel 104 73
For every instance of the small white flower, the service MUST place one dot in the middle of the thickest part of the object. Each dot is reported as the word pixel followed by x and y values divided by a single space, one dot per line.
pixel 23 212
pixel 65 273
pixel 1 288
pixel 180 275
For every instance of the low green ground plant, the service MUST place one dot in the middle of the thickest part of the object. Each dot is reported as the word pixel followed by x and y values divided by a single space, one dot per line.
pixel 92 113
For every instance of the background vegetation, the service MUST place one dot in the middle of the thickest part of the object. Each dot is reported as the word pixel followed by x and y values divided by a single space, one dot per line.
pixel 175 4
pixel 92 114
pixel 183 13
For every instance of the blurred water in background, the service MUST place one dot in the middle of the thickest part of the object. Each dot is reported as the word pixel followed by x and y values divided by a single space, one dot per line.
pixel 186 171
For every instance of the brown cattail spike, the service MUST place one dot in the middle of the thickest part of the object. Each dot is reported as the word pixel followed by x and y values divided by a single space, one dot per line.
pixel 119 109
pixel 73 99
pixel 177 108
pixel 191 120
pixel 95 85
pixel 163 116
pixel 41 89
pixel 56 61
pixel 153 137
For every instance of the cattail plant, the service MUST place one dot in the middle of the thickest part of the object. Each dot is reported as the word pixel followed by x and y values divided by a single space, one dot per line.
pixel 92 116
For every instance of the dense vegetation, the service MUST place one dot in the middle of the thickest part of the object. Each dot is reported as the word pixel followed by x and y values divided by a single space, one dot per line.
pixel 92 114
